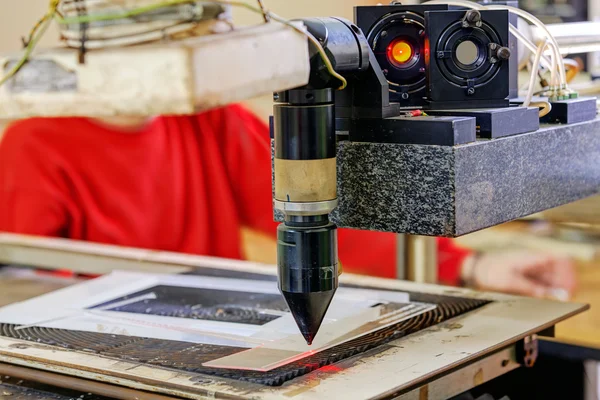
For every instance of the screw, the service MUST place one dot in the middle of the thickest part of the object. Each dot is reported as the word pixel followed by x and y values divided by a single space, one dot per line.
pixel 384 34
pixel 493 60
pixel 422 69
pixel 473 16
pixel 471 91
pixel 440 54
pixel 503 53
pixel 385 71
pixel 421 32
pixel 465 24
pixel 493 46
pixel 404 96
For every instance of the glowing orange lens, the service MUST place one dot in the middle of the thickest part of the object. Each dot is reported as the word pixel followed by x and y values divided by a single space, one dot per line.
pixel 400 51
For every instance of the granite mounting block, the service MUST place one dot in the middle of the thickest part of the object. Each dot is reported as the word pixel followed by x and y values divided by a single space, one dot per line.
pixel 454 190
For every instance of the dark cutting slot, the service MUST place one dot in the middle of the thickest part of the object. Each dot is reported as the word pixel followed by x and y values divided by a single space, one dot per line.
pixel 199 303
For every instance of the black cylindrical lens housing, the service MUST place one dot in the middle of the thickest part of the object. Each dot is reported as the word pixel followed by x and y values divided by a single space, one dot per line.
pixel 304 132
pixel 307 258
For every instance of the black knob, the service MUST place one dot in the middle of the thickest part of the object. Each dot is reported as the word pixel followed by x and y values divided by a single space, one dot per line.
pixel 503 53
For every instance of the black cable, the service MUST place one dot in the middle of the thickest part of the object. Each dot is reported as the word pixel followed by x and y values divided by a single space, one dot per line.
pixel 82 11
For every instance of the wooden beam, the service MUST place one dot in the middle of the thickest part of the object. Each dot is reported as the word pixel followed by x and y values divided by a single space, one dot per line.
pixel 168 78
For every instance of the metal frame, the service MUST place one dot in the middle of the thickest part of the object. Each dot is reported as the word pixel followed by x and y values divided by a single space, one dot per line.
pixel 403 366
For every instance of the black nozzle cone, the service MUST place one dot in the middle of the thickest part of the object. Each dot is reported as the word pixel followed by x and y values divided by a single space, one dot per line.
pixel 309 309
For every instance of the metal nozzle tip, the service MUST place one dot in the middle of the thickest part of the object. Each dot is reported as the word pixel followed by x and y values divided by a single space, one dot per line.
pixel 308 310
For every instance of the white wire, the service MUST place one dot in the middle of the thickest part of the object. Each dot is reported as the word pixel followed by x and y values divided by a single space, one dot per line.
pixel 554 44
pixel 534 68
pixel 546 62
pixel 553 77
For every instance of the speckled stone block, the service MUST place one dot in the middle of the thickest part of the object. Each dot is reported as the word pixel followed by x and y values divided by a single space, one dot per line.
pixel 452 191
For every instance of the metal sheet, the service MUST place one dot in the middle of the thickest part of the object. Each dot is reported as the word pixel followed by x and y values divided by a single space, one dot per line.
pixel 399 366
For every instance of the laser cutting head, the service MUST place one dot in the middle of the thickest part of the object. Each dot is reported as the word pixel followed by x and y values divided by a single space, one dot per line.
pixel 305 174
pixel 306 192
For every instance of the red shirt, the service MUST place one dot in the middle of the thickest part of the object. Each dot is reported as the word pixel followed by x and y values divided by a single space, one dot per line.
pixel 184 184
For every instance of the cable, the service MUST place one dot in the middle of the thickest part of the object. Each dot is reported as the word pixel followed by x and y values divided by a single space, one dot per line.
pixel 34 38
pixel 553 81
pixel 546 107
pixel 529 44
pixel 535 21
pixel 573 69
pixel 536 63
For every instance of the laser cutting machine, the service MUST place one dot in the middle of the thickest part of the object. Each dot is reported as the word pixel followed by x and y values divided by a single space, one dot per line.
pixel 426 136
pixel 416 56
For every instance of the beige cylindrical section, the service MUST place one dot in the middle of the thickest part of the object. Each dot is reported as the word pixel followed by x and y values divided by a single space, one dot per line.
pixel 417 258
pixel 305 180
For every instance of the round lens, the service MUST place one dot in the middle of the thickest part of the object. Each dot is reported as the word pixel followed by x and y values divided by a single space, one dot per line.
pixel 399 52
pixel 467 52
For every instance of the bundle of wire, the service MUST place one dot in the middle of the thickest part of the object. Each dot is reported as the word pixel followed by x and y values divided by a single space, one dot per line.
pixel 80 18
pixel 94 24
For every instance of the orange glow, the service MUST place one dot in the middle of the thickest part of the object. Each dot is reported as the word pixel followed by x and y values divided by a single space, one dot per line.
pixel 400 51
pixel 330 368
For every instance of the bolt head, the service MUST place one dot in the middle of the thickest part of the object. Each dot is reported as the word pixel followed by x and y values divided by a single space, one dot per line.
pixel 404 96
pixel 473 16
pixel 503 53
pixel 440 54
pixel 471 90
pixel 384 34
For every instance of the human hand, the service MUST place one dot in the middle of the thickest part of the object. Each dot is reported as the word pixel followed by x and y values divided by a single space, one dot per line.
pixel 523 273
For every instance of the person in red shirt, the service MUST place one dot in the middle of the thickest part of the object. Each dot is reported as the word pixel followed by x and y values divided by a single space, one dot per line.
pixel 189 184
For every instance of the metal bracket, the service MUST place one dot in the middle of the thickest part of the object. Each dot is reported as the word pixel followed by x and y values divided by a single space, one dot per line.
pixel 527 351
